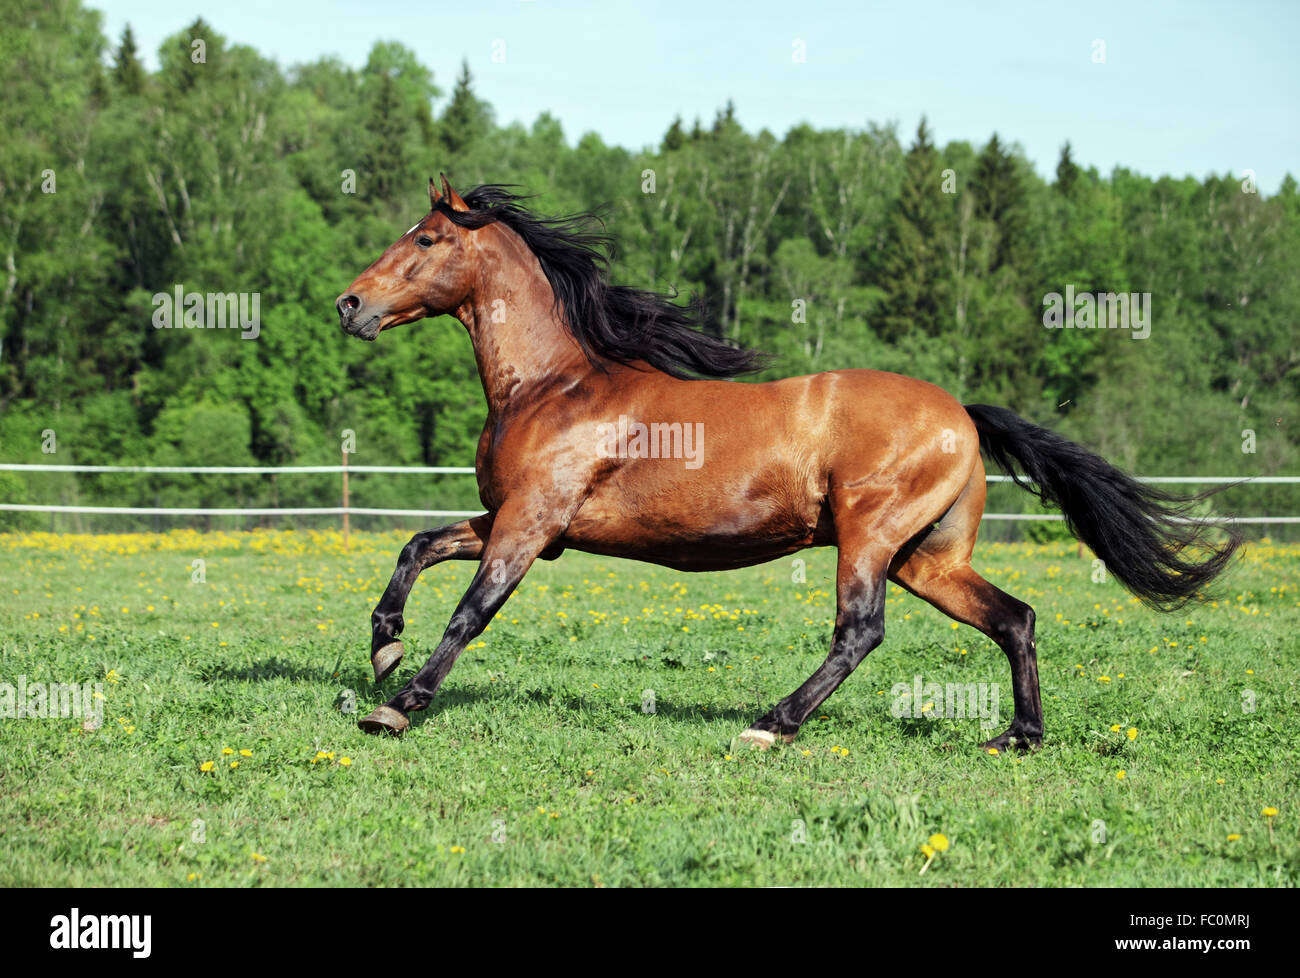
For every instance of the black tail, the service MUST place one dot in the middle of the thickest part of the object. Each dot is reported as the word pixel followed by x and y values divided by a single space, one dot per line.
pixel 1143 534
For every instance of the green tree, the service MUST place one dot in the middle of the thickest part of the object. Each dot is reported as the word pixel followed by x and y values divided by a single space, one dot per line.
pixel 675 137
pixel 398 92
pixel 466 118
pixel 1067 171
pixel 128 72
pixel 1000 199
pixel 911 266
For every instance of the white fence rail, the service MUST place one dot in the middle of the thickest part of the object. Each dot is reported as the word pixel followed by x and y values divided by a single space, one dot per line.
pixel 346 510
pixel 251 511
pixel 239 469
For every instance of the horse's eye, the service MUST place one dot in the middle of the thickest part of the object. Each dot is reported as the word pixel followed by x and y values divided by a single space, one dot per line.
pixel 424 241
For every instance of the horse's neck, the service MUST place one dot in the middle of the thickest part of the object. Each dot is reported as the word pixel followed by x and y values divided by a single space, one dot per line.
pixel 520 343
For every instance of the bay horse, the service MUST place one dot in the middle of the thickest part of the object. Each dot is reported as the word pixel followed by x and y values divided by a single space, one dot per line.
pixel 886 468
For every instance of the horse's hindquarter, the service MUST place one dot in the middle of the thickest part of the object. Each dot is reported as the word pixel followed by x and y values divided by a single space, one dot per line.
pixel 753 473
pixel 905 452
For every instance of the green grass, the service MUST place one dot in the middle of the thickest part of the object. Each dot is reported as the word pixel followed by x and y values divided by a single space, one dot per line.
pixel 538 765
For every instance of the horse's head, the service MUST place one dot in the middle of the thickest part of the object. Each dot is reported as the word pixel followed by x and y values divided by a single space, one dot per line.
pixel 425 272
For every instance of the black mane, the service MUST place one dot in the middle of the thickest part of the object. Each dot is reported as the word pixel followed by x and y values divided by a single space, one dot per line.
pixel 610 322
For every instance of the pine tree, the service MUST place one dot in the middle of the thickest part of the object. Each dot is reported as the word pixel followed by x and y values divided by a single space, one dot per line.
pixel 465 116
pixel 912 266
pixel 128 73
pixel 725 120
pixel 1067 172
pixel 386 160
pixel 1000 198
pixel 674 138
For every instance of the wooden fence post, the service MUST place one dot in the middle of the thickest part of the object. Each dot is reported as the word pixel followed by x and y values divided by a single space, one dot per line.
pixel 346 547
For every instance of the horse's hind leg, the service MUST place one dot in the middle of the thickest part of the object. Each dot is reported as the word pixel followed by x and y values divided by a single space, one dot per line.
pixel 946 580
pixel 458 541
pixel 859 628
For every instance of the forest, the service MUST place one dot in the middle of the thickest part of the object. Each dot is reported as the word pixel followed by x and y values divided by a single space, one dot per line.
pixel 223 172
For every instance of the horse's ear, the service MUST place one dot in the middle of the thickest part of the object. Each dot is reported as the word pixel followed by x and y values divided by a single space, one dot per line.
pixel 434 196
pixel 453 198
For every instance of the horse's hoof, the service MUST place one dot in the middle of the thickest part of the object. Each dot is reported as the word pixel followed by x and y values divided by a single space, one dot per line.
pixel 385 719
pixel 1011 741
pixel 761 739
pixel 385 660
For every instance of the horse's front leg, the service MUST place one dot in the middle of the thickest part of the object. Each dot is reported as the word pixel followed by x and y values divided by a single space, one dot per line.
pixel 519 535
pixel 459 541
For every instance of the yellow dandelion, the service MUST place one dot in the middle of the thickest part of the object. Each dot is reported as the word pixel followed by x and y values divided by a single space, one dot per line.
pixel 1132 733
pixel 1119 775
pixel 1233 836
pixel 206 766
pixel 939 841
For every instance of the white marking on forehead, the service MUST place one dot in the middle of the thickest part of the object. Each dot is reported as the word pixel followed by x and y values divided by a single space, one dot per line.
pixel 414 226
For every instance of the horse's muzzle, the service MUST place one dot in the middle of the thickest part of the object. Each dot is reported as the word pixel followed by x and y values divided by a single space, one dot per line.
pixel 354 321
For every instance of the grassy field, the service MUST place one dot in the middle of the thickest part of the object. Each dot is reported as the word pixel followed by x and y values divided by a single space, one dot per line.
pixel 585 738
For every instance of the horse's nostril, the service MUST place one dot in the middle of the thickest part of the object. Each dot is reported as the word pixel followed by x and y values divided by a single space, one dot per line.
pixel 348 303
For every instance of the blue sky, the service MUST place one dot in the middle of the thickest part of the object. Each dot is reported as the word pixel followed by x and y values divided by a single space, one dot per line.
pixel 1186 88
